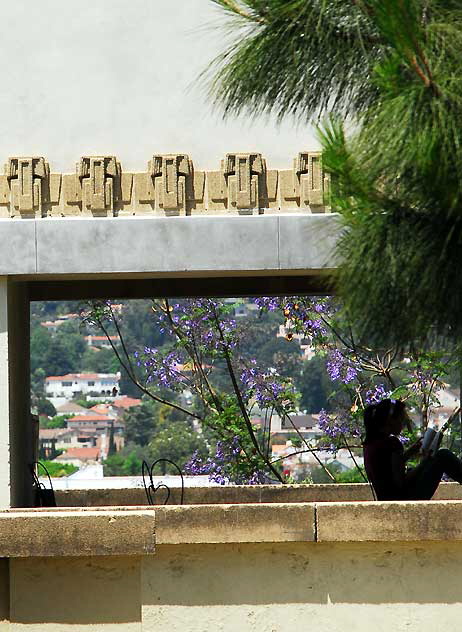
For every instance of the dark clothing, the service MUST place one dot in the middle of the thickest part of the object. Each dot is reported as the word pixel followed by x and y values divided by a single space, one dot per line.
pixel 378 458
pixel 422 481
pixel 385 467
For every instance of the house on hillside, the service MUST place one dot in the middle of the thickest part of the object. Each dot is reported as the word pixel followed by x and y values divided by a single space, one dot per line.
pixel 103 422
pixel 51 440
pixel 71 408
pixel 73 384
pixel 52 325
pixel 101 342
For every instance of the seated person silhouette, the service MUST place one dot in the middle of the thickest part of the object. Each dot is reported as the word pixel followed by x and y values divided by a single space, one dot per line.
pixel 385 458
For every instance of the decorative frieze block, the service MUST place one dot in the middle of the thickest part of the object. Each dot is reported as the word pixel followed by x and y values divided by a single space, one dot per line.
pixel 170 186
pixel 306 185
pixel 97 188
pixel 238 184
pixel 27 189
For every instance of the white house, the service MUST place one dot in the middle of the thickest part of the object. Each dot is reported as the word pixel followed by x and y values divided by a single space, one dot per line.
pixel 73 384
pixel 101 342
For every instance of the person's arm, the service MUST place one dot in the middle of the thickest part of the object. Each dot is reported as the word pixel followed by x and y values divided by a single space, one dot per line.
pixel 413 450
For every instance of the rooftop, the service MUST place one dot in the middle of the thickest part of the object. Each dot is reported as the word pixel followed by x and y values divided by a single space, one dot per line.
pixel 83 454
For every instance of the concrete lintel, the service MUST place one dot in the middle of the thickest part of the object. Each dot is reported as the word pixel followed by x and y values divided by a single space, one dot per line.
pixel 18 247
pixel 155 246
pixel 138 244
pixel 308 241
pixel 396 521
pixel 76 533
pixel 275 522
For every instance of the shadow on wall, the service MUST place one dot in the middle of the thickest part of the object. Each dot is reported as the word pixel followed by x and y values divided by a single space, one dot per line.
pixel 246 587
pixel 314 573
pixel 96 590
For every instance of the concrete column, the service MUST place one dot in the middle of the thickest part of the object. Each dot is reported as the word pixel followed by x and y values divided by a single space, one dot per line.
pixel 16 445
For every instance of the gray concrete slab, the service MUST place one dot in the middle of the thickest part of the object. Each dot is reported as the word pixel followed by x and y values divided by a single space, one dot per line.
pixel 219 245
pixel 171 244
pixel 307 242
pixel 17 246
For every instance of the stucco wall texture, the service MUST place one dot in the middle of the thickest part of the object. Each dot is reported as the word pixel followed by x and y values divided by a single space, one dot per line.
pixel 329 587
pixel 121 78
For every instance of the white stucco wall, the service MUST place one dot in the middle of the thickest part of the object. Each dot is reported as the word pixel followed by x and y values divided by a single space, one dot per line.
pixel 119 77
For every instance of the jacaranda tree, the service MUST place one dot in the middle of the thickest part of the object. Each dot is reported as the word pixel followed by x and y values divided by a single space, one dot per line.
pixel 204 373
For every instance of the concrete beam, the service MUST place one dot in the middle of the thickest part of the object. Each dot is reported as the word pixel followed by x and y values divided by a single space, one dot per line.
pixel 169 246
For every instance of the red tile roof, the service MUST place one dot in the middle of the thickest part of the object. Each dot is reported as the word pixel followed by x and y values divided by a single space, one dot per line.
pixel 84 454
pixel 126 402
pixel 74 376
pixel 91 418
pixel 100 409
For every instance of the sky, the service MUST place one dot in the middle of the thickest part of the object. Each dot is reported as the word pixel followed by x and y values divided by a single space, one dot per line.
pixel 120 77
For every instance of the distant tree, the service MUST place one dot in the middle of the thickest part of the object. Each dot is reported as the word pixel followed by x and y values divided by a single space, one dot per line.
pixel 40 342
pixel 101 361
pixel 45 407
pixel 177 442
pixel 127 462
pixel 315 385
pixel 56 421
pixel 56 469
pixel 141 423
pixel 112 446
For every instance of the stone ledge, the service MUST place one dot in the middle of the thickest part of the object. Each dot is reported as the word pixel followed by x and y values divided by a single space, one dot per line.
pixel 135 531
pixel 395 521
pixel 275 522
pixel 237 494
pixel 226 494
pixel 33 533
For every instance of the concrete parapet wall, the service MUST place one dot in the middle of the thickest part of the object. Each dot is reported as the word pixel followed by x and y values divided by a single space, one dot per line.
pixel 170 186
pixel 249 568
pixel 229 494
pixel 130 530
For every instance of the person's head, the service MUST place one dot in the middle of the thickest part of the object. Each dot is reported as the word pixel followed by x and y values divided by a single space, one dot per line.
pixel 387 417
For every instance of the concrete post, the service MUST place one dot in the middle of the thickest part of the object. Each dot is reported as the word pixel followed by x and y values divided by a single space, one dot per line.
pixel 16 447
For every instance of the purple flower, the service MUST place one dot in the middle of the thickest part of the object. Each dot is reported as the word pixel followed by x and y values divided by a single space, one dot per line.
pixel 376 394
pixel 341 368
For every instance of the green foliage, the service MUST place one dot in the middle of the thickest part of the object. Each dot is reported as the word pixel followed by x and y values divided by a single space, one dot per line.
pixel 101 361
pixel 318 476
pixel 315 385
pixel 352 475
pixel 58 421
pixel 126 462
pixel 57 354
pixel 296 57
pixel 141 422
pixel 119 465
pixel 178 442
pixel 45 407
pixel 57 470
